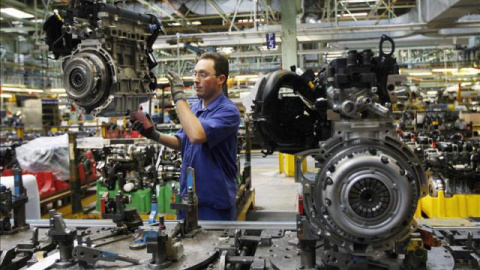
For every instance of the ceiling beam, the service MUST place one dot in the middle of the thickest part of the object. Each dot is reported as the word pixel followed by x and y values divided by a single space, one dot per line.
pixel 374 8
pixel 221 13
pixel 152 6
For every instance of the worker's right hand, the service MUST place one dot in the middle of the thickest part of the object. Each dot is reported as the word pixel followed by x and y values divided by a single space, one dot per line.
pixel 176 86
pixel 143 124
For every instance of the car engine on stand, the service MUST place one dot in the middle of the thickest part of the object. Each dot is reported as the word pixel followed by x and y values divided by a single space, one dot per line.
pixel 364 196
pixel 107 55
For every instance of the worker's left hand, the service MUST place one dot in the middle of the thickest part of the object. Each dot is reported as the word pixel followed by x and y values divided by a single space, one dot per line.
pixel 176 86
pixel 144 125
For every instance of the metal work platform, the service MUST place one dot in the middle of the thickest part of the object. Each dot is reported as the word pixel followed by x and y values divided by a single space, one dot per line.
pixel 217 245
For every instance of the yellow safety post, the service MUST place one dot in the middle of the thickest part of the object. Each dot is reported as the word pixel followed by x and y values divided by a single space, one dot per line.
pixel 104 130
pixel 289 168
pixel 281 164
pixel 20 132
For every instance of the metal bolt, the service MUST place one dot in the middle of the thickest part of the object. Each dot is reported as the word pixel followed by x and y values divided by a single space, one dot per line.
pixel 328 202
pixel 384 159
pixel 329 181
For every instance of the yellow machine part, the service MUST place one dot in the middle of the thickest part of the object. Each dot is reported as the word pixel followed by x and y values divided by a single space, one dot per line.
pixel 457 206
pixel 415 243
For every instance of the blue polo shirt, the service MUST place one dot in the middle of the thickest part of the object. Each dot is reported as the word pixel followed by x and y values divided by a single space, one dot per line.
pixel 215 161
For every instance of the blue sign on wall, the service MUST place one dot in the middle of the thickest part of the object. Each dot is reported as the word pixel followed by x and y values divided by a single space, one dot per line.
pixel 270 41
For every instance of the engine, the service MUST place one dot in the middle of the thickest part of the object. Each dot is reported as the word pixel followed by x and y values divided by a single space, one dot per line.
pixel 362 199
pixel 106 52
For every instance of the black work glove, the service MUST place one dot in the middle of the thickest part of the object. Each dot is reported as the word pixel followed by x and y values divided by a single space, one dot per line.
pixel 176 86
pixel 143 124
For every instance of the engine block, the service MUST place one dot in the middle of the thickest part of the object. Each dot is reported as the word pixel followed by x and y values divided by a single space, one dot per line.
pixel 107 58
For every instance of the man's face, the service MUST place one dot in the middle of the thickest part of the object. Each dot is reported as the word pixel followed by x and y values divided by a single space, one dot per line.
pixel 207 82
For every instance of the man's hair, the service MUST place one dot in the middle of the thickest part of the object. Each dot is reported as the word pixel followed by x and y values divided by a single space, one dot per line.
pixel 220 63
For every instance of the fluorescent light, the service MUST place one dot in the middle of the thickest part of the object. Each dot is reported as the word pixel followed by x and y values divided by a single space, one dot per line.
pixel 2 95
pixel 357 1
pixel 353 14
pixel 226 50
pixel 444 70
pixel 27 90
pixel 165 53
pixel 243 77
pixel 420 73
pixel 466 83
pixel 16 13
pixel 469 71
pixel 162 80
pixel 62 95
pixel 334 54
pixel 196 23
pixel 38 21
pixel 58 90
pixel 245 21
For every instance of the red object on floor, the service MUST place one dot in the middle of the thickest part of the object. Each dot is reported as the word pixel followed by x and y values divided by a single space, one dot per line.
pixel 46 181
pixel 300 205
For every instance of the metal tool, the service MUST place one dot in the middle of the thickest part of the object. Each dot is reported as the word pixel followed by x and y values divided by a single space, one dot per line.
pixel 63 237
pixel 116 210
pixel 188 206
pixel 91 256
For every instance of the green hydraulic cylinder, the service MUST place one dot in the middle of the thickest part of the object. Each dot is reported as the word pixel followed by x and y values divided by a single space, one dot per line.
pixel 141 199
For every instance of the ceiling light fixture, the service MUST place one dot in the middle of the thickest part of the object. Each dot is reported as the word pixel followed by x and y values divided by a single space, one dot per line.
pixel 24 90
pixel 444 70
pixel 58 90
pixel 352 14
pixel 16 13
pixel 357 1
pixel 420 73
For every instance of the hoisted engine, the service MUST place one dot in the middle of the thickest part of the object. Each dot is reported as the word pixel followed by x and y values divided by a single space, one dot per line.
pixel 363 197
pixel 107 57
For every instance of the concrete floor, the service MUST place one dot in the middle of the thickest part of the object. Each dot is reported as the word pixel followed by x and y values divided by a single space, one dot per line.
pixel 275 193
